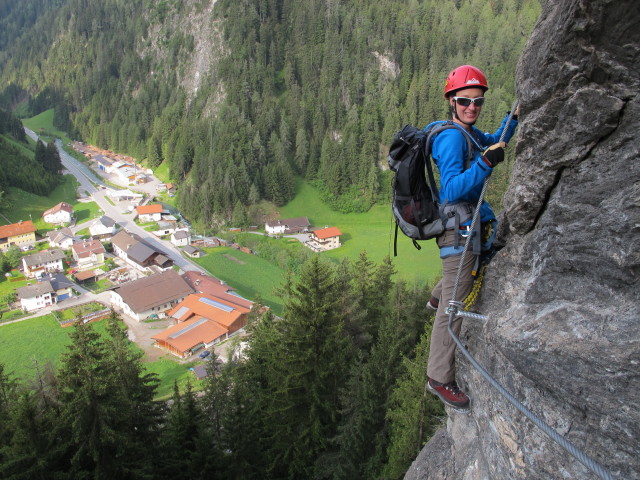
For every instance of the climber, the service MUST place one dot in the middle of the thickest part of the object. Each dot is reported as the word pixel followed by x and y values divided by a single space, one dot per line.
pixel 460 188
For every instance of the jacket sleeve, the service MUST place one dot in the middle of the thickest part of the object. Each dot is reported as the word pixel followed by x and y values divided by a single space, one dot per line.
pixel 488 139
pixel 449 152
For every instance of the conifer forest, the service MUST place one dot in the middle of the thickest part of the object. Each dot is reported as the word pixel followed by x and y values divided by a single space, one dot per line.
pixel 240 99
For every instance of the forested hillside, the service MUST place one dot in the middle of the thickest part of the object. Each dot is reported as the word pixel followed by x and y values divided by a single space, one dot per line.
pixel 239 97
pixel 35 172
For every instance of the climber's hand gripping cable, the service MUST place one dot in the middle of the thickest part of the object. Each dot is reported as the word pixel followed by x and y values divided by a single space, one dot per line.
pixel 493 155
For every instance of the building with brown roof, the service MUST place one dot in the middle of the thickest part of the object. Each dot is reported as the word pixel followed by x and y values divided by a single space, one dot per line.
pixel 133 250
pixel 287 226
pixel 201 320
pixel 88 253
pixel 151 295
pixel 62 238
pixel 21 234
pixel 61 213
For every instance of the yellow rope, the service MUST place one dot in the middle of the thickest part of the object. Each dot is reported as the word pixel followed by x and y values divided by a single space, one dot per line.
pixel 475 290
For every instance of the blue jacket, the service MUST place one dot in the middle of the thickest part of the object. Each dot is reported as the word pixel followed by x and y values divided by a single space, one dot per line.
pixel 449 151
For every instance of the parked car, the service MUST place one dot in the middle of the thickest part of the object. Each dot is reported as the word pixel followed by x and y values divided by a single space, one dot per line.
pixel 205 354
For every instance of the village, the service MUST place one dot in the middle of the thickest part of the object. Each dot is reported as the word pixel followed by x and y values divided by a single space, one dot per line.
pixel 145 274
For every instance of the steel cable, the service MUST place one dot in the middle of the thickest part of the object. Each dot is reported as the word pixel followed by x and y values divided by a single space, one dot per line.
pixel 453 308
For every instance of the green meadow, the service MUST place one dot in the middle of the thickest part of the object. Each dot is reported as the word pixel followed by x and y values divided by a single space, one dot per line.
pixel 42 125
pixel 248 274
pixel 372 232
pixel 27 206
pixel 32 344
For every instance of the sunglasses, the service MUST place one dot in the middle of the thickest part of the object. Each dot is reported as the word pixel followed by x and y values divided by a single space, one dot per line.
pixel 465 102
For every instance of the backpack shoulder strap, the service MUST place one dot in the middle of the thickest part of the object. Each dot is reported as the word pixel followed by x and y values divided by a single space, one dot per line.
pixel 472 143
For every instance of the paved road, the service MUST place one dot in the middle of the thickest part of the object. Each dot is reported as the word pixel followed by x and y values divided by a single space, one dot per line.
pixel 89 179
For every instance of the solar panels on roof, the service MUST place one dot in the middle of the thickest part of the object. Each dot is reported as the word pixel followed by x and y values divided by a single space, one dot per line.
pixel 186 329
pixel 180 313
pixel 219 305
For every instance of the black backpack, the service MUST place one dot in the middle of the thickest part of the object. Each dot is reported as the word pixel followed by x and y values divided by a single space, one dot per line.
pixel 416 204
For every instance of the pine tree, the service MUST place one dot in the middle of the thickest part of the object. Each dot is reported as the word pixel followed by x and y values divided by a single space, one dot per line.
pixel 414 414
pixel 105 406
pixel 308 366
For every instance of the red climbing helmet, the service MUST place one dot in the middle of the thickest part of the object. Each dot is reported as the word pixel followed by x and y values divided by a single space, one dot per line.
pixel 465 76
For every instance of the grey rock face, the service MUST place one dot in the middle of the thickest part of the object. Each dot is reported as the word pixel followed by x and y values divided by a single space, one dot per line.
pixel 562 295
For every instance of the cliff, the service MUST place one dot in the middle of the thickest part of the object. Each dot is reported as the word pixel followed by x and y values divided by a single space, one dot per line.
pixel 562 295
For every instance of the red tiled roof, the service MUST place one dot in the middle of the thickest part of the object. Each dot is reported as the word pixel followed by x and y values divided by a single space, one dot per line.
pixel 15 229
pixel 327 232
pixel 212 286
pixel 213 308
pixel 194 331
pixel 147 209
pixel 88 247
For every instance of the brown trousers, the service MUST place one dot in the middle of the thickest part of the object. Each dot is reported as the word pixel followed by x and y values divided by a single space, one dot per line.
pixel 441 365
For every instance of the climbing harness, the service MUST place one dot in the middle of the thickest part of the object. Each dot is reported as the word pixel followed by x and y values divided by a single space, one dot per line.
pixel 457 309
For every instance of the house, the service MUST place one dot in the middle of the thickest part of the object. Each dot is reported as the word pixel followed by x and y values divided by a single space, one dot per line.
pixel 47 261
pixel 49 290
pixel 62 286
pixel 192 251
pixel 34 297
pixel 62 238
pixel 103 227
pixel 200 371
pixel 181 238
pixel 21 234
pixel 287 226
pixel 165 228
pixel 133 250
pixel 151 295
pixel 61 213
pixel 201 320
pixel 326 238
pixel 88 253
pixel 149 213
pixel 104 163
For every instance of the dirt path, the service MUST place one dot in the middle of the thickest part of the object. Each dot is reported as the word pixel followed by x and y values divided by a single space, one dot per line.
pixel 141 332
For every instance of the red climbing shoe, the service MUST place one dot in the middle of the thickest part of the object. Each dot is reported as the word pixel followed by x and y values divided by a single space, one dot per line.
pixel 449 393
pixel 433 303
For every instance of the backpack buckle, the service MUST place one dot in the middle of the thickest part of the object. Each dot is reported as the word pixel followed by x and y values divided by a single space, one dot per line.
pixel 465 231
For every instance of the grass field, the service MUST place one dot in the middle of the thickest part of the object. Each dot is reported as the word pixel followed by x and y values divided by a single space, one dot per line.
pixel 41 340
pixel 27 206
pixel 248 274
pixel 372 232
pixel 42 125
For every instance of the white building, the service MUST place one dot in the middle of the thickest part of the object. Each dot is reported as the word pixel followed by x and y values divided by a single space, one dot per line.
pixel 153 295
pixel 88 253
pixel 103 227
pixel 47 291
pixel 287 226
pixel 43 262
pixel 62 238
pixel 181 238
pixel 61 213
